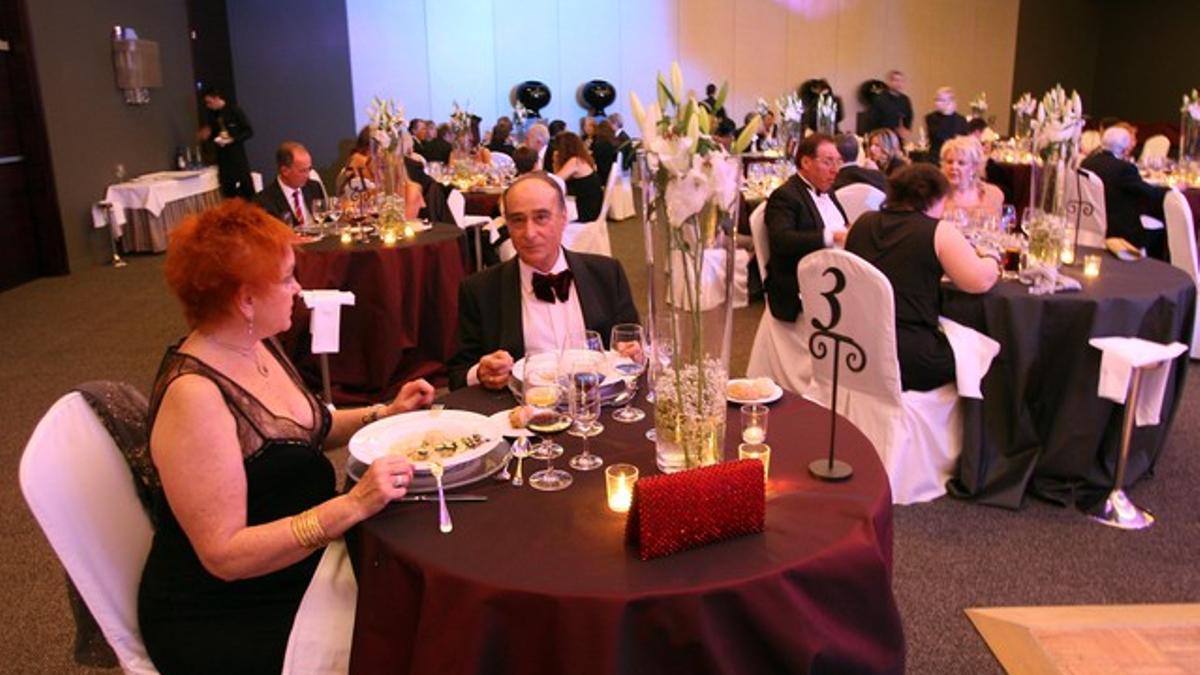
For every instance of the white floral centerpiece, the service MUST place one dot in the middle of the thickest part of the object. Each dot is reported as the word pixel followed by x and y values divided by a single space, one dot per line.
pixel 1025 108
pixel 827 112
pixel 460 123
pixel 691 186
pixel 389 145
pixel 979 106
pixel 1189 128
pixel 1056 130
pixel 791 120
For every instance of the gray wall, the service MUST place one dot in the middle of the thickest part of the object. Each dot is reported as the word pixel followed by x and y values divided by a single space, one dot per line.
pixel 89 126
pixel 291 62
pixel 1057 43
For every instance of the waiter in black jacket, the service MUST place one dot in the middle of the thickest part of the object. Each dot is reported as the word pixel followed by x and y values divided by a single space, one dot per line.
pixel 227 127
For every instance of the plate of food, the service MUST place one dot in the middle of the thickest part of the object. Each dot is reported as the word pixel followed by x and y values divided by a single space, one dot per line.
pixel 511 422
pixel 753 390
pixel 452 437
pixel 613 382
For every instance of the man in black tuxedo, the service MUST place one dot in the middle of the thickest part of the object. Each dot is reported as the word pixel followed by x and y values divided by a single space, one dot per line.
pixel 537 300
pixel 437 149
pixel 847 147
pixel 1126 196
pixel 289 197
pixel 227 127
pixel 891 108
pixel 802 216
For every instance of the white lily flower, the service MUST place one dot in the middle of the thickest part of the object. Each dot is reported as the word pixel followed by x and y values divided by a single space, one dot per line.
pixel 686 196
pixel 674 153
pixel 676 81
pixel 722 173
pixel 639 113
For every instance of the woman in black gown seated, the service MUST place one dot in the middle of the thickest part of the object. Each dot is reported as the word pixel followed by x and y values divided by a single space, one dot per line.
pixel 248 498
pixel 907 241
pixel 574 164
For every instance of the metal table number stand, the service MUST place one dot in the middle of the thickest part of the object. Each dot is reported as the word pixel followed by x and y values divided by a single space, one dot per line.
pixel 831 469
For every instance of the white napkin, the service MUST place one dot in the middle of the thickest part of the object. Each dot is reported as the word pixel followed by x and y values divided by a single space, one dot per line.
pixel 326 306
pixel 973 356
pixel 1120 356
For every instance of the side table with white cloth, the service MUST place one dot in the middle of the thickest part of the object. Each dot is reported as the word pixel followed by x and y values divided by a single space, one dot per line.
pixel 144 210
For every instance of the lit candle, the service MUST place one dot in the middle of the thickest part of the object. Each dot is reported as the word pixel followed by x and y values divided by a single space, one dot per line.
pixel 759 451
pixel 753 435
pixel 389 238
pixel 618 481
pixel 346 237
pixel 1067 256
pixel 408 232
pixel 1091 266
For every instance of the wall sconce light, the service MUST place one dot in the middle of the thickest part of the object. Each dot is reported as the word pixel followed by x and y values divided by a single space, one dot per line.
pixel 136 65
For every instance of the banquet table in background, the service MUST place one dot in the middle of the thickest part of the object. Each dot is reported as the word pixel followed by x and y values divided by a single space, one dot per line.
pixel 405 317
pixel 1041 428
pixel 539 583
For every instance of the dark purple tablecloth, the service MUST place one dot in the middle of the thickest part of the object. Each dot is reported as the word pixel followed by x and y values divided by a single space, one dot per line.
pixel 481 203
pixel 404 321
pixel 535 583
pixel 1041 428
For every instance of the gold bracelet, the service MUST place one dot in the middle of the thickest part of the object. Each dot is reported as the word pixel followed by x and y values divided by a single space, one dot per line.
pixel 373 414
pixel 307 530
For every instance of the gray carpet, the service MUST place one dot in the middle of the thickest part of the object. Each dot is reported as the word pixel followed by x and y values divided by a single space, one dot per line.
pixel 949 555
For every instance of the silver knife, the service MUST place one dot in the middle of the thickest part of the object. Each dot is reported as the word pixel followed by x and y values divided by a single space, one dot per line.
pixel 449 498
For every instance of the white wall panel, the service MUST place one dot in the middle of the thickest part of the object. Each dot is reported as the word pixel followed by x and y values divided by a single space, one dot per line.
pixel 760 58
pixel 462 57
pixel 589 45
pixel 706 37
pixel 388 55
pixel 525 53
pixel 649 42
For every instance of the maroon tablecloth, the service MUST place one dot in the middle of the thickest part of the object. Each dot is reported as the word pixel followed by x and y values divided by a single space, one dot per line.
pixel 482 203
pixel 534 583
pixel 1192 195
pixel 404 321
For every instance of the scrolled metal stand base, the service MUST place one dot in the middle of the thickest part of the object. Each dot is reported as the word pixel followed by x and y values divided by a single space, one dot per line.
pixel 1119 512
pixel 835 471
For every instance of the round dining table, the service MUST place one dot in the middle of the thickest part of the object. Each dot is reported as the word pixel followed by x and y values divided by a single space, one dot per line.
pixel 404 320
pixel 1041 428
pixel 537 583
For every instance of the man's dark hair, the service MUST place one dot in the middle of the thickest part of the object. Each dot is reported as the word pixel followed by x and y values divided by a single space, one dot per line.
pixel 211 90
pixel 285 154
pixel 556 127
pixel 726 127
pixel 917 187
pixel 847 146
pixel 443 130
pixel 525 158
pixel 808 146
pixel 976 124
pixel 710 90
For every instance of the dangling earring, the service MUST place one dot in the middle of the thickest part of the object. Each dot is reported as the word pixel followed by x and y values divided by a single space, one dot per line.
pixel 250 327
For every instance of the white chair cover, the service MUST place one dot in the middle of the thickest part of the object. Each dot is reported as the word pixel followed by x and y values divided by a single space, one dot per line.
pixel 1156 147
pixel 712 279
pixel 973 356
pixel 457 204
pixel 858 198
pixel 80 490
pixel 1181 241
pixel 780 349
pixel 592 237
pixel 1089 141
pixel 621 205
pixel 1085 191
pixel 918 435
pixel 319 643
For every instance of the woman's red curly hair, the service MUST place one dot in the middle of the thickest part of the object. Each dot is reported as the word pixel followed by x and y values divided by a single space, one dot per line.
pixel 212 255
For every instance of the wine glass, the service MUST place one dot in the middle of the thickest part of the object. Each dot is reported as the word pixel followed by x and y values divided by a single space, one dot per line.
pixel 585 341
pixel 542 391
pixel 319 213
pixel 584 375
pixel 629 341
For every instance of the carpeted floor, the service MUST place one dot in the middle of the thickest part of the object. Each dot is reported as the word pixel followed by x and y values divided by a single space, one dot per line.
pixel 103 323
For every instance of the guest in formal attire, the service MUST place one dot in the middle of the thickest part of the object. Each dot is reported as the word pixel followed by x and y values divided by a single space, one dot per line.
pixel 710 102
pixel 725 133
pixel 537 138
pixel 248 499
pixel 618 125
pixel 604 149
pixel 850 171
pixel 416 129
pixel 802 216
pixel 907 241
pixel 587 129
pixel 438 148
pixel 525 160
pixel 534 301
pixel 290 195
pixel 885 151
pixel 574 164
pixel 963 164
pixel 228 128
pixel 767 137
pixel 501 140
pixel 1127 197
pixel 945 122
pixel 359 177
pixel 891 108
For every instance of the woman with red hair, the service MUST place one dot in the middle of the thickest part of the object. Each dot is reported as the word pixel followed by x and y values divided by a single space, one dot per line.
pixel 248 499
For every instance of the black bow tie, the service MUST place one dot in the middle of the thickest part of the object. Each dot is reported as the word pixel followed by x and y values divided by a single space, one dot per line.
pixel 552 287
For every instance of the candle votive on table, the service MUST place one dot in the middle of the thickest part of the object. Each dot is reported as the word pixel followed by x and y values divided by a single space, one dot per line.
pixel 754 422
pixel 618 482
pixel 1091 266
pixel 347 237
pixel 408 232
pixel 759 451
pixel 389 237
pixel 1067 255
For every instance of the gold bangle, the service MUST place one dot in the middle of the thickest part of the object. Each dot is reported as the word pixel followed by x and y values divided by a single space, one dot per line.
pixel 307 530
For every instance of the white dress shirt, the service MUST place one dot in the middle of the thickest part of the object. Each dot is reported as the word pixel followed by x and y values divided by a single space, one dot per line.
pixel 545 325
pixel 831 215
pixel 288 193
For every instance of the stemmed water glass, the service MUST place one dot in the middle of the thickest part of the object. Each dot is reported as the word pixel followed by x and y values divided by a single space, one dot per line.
pixel 320 213
pixel 542 391
pixel 586 341
pixel 584 374
pixel 629 341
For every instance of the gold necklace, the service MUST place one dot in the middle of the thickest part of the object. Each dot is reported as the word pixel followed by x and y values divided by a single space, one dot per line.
pixel 250 353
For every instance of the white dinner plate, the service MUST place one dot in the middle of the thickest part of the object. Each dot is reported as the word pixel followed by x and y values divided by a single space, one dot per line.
pixel 775 395
pixel 611 388
pixel 374 440
pixel 463 474
pixel 506 428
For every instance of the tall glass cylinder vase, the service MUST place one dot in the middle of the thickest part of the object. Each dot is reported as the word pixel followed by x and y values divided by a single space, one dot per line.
pixel 1023 128
pixel 390 180
pixel 691 274
pixel 1052 235
pixel 1189 141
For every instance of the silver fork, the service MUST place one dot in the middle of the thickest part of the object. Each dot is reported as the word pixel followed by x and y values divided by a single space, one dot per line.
pixel 444 523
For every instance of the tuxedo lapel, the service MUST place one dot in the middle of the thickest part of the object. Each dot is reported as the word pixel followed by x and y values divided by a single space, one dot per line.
pixel 512 326
pixel 838 204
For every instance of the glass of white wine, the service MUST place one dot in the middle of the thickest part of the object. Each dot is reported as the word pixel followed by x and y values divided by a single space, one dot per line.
pixel 542 390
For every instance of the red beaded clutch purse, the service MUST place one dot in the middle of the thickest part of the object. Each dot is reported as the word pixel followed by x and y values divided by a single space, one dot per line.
pixel 679 511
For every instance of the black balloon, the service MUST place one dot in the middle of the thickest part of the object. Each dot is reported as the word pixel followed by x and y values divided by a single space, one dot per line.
pixel 598 95
pixel 533 95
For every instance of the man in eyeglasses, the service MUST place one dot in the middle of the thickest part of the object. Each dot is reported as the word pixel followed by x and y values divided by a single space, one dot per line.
pixel 536 300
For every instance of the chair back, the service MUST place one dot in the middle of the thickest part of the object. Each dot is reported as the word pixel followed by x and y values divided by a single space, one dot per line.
pixel 858 198
pixel 842 289
pixel 1181 242
pixel 502 161
pixel 81 492
pixel 1085 202
pixel 610 187
pixel 1156 147
pixel 457 203
pixel 1089 141
pixel 762 243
